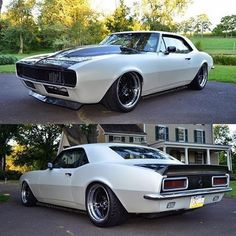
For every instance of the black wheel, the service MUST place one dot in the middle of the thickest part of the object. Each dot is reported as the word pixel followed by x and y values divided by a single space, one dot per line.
pixel 201 78
pixel 103 207
pixel 27 197
pixel 124 94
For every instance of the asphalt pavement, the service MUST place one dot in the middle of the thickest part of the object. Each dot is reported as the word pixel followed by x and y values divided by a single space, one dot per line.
pixel 215 104
pixel 17 220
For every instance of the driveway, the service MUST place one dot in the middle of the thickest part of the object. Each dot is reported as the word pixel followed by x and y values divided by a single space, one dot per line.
pixel 15 219
pixel 215 104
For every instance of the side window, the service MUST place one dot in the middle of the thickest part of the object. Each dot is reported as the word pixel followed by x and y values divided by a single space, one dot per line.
pixel 71 159
pixel 180 44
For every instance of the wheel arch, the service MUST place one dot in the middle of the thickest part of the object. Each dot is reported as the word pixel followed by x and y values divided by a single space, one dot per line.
pixel 104 183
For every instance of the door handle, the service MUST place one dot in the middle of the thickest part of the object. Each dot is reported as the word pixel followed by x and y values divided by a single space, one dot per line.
pixel 68 174
pixel 188 58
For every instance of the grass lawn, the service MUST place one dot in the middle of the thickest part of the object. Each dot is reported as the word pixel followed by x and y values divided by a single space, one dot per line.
pixel 226 74
pixel 11 68
pixel 217 45
pixel 4 197
pixel 233 186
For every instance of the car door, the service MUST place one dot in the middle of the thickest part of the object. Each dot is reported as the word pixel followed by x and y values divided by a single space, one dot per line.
pixel 55 184
pixel 175 68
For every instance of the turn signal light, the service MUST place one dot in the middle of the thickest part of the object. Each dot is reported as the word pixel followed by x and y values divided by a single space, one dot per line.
pixel 171 184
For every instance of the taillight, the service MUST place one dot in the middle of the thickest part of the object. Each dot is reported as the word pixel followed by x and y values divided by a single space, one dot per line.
pixel 171 184
pixel 219 181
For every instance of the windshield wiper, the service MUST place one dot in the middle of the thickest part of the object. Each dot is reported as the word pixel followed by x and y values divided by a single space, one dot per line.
pixel 127 49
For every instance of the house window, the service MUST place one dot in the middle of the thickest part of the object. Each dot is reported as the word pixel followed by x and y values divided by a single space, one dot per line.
pixel 117 139
pixel 131 139
pixel 181 135
pixel 199 158
pixel 123 139
pixel 162 133
pixel 199 136
pixel 138 139
pixel 111 138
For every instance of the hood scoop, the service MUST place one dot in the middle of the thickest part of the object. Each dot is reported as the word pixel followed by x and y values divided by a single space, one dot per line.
pixel 93 51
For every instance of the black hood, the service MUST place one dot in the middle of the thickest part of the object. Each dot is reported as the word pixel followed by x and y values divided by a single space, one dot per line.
pixel 93 51
pixel 69 57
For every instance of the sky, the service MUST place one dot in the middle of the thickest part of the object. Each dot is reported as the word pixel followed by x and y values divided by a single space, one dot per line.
pixel 216 9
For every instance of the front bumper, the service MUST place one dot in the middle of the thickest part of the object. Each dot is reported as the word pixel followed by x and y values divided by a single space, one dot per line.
pixel 188 193
pixel 56 101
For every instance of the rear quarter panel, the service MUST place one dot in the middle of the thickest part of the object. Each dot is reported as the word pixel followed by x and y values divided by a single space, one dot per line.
pixel 129 183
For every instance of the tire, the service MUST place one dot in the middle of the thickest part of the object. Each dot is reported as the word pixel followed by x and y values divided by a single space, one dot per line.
pixel 103 207
pixel 27 197
pixel 201 79
pixel 124 94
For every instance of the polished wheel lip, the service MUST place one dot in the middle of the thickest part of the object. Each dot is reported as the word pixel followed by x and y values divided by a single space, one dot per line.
pixel 203 76
pixel 97 209
pixel 125 91
pixel 25 193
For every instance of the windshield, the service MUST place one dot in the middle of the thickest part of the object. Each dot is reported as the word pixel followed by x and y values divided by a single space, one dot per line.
pixel 130 153
pixel 146 42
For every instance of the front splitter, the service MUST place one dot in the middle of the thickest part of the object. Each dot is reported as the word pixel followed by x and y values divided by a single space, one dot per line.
pixel 56 101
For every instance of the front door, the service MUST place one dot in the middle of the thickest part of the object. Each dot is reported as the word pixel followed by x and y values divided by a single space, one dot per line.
pixel 55 184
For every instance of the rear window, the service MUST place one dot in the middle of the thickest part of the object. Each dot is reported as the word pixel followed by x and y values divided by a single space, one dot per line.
pixel 129 153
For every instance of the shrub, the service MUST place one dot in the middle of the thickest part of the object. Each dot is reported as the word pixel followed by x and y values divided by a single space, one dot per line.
pixel 8 60
pixel 225 60
pixel 199 46
pixel 10 175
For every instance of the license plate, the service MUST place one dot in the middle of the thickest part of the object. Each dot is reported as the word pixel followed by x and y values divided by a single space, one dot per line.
pixel 196 202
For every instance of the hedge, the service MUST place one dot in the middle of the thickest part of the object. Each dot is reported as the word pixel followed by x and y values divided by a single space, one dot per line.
pixel 225 60
pixel 10 175
pixel 8 60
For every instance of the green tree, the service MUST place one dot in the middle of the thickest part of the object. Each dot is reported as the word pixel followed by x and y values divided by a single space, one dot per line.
pixel 202 24
pixel 159 14
pixel 7 132
pixel 65 23
pixel 227 25
pixel 187 26
pixel 20 16
pixel 120 20
pixel 40 144
pixel 222 136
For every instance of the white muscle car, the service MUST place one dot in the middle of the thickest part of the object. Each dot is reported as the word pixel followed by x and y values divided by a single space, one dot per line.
pixel 117 72
pixel 111 180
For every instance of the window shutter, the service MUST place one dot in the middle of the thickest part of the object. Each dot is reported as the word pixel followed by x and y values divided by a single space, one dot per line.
pixel 186 135
pixel 204 136
pixel 167 134
pixel 157 133
pixel 195 136
pixel 177 134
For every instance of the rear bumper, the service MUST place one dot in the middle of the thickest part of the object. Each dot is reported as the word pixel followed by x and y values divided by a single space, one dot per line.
pixel 189 193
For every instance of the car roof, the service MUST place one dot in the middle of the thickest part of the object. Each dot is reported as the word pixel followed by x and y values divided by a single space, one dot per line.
pixel 143 31
pixel 101 152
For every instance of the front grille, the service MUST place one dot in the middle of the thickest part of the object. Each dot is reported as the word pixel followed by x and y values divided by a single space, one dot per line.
pixel 55 76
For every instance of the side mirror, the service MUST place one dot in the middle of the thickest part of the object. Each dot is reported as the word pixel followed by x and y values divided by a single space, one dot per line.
pixel 50 166
pixel 170 49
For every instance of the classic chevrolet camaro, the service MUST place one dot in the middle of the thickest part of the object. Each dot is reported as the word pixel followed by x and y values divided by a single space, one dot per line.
pixel 111 180
pixel 117 72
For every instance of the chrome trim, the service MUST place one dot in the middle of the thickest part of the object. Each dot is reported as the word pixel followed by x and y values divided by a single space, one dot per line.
pixel 189 193
pixel 173 189
pixel 218 177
